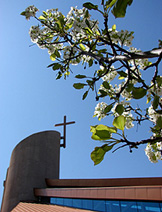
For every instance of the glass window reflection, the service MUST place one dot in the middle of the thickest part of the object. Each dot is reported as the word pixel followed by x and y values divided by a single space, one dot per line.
pixel 112 206
pixel 108 205
pixel 149 206
pixel 99 205
pixel 129 206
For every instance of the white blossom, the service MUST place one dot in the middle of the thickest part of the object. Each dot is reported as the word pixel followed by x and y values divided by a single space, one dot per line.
pixel 142 63
pixel 99 110
pixel 34 33
pixel 153 152
pixel 79 17
pixel 153 115
pixel 110 75
pixel 126 95
pixel 122 37
pixel 30 12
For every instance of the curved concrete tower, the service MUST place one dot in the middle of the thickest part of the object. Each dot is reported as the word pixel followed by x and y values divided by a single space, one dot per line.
pixel 33 159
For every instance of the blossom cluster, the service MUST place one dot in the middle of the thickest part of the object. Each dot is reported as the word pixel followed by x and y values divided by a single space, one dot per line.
pixel 99 110
pixel 30 12
pixel 141 63
pixel 77 24
pixel 110 75
pixel 124 38
pixel 153 152
pixel 81 20
pixel 153 115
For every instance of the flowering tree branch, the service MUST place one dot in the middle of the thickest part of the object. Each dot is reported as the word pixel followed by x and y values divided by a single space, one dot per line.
pixel 119 70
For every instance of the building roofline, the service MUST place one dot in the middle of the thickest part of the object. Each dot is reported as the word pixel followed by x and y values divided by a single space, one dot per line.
pixel 115 182
pixel 135 193
pixel 147 189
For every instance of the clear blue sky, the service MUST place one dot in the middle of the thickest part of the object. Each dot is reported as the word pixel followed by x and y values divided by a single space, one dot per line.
pixel 31 100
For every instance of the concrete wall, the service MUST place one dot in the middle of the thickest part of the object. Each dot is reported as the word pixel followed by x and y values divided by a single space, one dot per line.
pixel 33 159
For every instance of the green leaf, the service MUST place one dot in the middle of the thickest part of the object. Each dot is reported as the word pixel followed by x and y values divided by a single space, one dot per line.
pixel 50 65
pixel 67 73
pixel 79 76
pixel 106 85
pixel 155 102
pixel 87 22
pixel 122 74
pixel 59 75
pixel 42 17
pixel 102 50
pixel 119 109
pixel 97 155
pixel 99 152
pixel 53 57
pixel 86 15
pixel 78 85
pixel 112 129
pixel 101 135
pixel 93 128
pixel 159 122
pixel 90 62
pixel 119 122
pixel 88 30
pixel 110 3
pixel 45 13
pixel 57 53
pixel 82 47
pixel 129 87
pixel 56 66
pixel 138 93
pixel 103 93
pixel 85 95
pixel 114 27
pixel 108 108
pixel 23 13
pixel 119 9
pixel 90 82
pixel 61 21
pixel 101 132
pixel 90 6
pixel 148 100
pixel 69 26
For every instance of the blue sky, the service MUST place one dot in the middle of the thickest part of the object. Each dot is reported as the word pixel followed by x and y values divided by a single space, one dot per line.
pixel 33 101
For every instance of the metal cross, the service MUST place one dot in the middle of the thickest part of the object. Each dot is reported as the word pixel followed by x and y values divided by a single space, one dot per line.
pixel 64 136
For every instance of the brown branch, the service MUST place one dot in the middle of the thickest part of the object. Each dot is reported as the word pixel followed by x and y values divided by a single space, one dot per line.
pixel 137 143
pixel 108 35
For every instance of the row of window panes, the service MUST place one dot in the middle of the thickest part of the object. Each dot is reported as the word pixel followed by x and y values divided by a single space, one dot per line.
pixel 109 205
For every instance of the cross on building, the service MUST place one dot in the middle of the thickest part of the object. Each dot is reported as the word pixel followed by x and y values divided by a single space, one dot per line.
pixel 64 135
